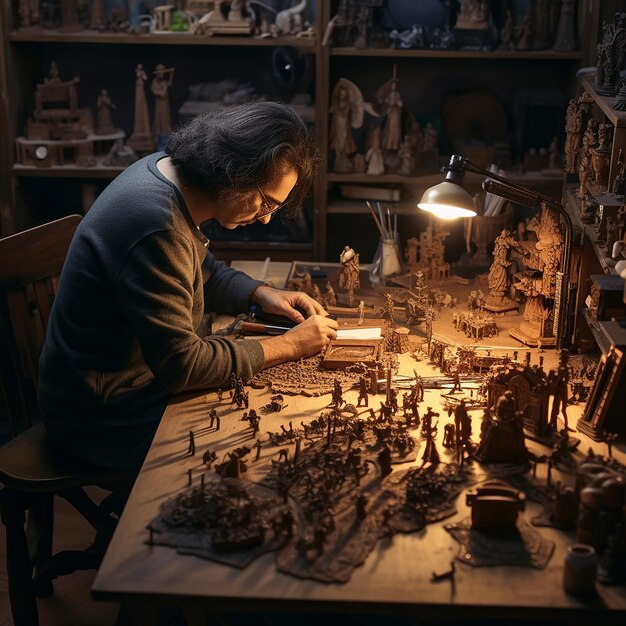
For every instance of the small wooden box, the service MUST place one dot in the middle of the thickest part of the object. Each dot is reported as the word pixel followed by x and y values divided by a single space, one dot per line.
pixel 341 353
pixel 607 296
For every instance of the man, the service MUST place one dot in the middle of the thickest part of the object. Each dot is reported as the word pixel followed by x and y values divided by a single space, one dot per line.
pixel 138 278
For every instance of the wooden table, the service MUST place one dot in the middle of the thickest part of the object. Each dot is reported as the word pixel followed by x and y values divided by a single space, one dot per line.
pixel 394 579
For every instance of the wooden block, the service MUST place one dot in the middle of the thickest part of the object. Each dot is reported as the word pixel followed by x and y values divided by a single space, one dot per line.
pixel 345 352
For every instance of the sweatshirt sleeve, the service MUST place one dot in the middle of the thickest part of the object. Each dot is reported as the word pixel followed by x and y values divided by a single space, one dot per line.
pixel 226 290
pixel 155 285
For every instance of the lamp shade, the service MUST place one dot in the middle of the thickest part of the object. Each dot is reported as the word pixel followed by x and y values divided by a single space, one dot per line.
pixel 448 201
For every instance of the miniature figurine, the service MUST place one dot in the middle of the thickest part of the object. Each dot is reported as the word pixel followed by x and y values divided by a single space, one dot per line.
pixel 559 381
pixel 506 33
pixel 374 155
pixel 430 141
pixel 191 449
pixel 392 130
pixel 209 457
pixel 565 40
pixel 407 160
pixel 160 88
pixel 330 297
pixel 104 106
pixel 361 312
pixel 362 391
pixel 141 138
pixel 346 112
pixel 120 155
pixel 349 278
pixel 573 127
pixel 498 279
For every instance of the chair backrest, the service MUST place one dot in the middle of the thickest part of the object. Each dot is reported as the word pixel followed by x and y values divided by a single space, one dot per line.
pixel 30 264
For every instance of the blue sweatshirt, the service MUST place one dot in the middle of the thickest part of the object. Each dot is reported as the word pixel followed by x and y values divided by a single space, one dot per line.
pixel 122 334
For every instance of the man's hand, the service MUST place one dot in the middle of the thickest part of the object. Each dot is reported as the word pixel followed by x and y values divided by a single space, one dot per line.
pixel 295 305
pixel 305 339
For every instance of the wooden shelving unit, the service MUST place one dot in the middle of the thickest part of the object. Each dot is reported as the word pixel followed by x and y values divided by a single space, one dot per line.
pixel 20 69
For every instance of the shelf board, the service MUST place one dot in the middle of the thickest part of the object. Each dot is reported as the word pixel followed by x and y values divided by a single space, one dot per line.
pixel 259 245
pixel 66 171
pixel 95 37
pixel 432 179
pixel 617 118
pixel 358 207
pixel 539 55
pixel 529 178
pixel 571 205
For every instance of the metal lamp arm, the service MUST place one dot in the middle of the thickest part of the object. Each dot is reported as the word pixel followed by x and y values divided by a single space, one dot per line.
pixel 469 166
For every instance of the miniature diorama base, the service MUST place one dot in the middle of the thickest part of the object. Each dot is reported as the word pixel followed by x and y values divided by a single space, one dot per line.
pixel 323 480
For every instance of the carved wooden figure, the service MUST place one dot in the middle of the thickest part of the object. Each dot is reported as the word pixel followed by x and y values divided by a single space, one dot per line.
pixel 160 87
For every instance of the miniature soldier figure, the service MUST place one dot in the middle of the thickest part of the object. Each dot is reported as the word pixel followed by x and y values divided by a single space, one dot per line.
pixel 337 394
pixel 448 436
pixel 385 413
pixel 418 389
pixel 191 449
pixel 393 401
pixel 362 391
pixel 258 445
pixel 254 420
pixel 208 457
pixel 559 380
pixel 427 420
pixel 456 379
pixel 384 460
pixel 361 507
pixel 213 416
pixel 463 428
pixel 431 455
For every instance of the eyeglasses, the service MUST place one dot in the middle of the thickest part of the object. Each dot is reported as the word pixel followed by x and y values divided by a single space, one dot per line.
pixel 266 207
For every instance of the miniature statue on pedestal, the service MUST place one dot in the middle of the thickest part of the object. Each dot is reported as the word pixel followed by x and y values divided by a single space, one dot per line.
pixel 141 139
pixel 29 14
pixel 538 283
pixel 374 155
pixel 346 112
pixel 104 106
pixel 160 87
pixel 610 54
pixel 499 280
pixel 502 438
pixel 392 105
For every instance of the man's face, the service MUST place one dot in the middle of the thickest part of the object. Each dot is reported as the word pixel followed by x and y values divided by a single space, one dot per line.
pixel 259 205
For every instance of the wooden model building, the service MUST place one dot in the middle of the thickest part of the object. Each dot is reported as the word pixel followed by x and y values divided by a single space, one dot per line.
pixel 59 133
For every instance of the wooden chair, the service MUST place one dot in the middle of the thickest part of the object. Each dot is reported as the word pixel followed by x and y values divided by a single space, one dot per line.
pixel 32 471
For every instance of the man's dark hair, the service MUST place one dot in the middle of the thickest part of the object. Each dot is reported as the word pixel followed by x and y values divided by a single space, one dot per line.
pixel 243 147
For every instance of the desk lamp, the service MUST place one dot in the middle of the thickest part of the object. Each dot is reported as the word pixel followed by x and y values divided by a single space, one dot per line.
pixel 448 200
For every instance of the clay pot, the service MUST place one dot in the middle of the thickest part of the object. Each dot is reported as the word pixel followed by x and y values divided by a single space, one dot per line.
pixel 579 571
pixel 591 497
pixel 613 493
